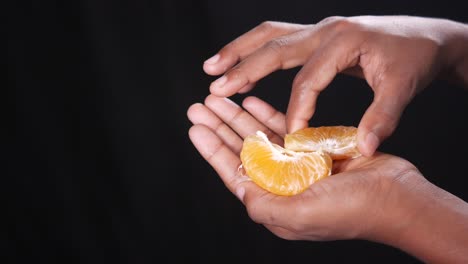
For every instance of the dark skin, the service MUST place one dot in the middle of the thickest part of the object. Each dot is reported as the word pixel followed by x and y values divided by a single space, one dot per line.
pixel 377 196
pixel 397 56
pixel 382 198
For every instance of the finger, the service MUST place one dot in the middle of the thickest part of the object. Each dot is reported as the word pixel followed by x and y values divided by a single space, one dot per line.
pixel 239 120
pixel 383 115
pixel 284 52
pixel 355 71
pixel 265 113
pixel 343 165
pixel 283 232
pixel 262 206
pixel 225 162
pixel 338 54
pixel 273 210
pixel 246 44
pixel 247 88
pixel 200 114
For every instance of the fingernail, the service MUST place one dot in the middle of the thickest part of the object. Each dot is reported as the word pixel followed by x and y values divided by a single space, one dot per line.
pixel 213 59
pixel 219 82
pixel 372 142
pixel 240 192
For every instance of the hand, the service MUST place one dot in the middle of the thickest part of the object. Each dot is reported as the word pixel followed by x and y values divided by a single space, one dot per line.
pixel 381 198
pixel 345 205
pixel 397 56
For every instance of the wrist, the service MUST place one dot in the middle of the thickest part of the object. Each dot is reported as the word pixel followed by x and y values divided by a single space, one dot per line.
pixel 403 204
pixel 454 52
pixel 424 221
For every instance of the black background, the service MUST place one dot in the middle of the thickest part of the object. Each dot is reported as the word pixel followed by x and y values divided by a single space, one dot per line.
pixel 99 165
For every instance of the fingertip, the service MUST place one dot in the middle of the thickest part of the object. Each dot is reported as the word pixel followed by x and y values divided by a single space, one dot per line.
pixel 378 123
pixel 209 99
pixel 213 70
pixel 300 110
pixel 249 100
pixel 204 139
pixel 217 89
pixel 372 142
pixel 218 83
pixel 208 69
pixel 213 60
pixel 193 110
pixel 211 66
pixel 230 83
pixel 194 131
pixel 213 101
pixel 368 143
pixel 216 92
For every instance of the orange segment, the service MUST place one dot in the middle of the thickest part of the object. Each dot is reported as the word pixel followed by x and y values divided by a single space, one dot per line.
pixel 281 171
pixel 340 142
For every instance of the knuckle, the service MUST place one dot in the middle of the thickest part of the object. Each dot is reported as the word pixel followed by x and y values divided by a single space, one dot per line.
pixel 300 84
pixel 240 114
pixel 281 42
pixel 236 73
pixel 343 23
pixel 276 48
pixel 381 75
pixel 276 45
pixel 339 23
pixel 253 213
pixel 297 82
pixel 388 123
pixel 267 25
pixel 389 120
pixel 330 19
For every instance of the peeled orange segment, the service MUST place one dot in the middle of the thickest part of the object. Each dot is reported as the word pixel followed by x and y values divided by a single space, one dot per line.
pixel 340 142
pixel 281 171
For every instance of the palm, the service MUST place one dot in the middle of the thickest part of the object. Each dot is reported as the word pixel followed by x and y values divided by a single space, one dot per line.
pixel 332 208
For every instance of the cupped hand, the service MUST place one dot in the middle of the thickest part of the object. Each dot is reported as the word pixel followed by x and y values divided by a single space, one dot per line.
pixel 396 55
pixel 362 196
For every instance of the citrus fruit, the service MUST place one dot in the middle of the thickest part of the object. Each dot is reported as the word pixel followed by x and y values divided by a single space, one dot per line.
pixel 340 142
pixel 279 170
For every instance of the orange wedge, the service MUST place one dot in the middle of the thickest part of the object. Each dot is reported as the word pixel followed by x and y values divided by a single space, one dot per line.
pixel 279 170
pixel 340 142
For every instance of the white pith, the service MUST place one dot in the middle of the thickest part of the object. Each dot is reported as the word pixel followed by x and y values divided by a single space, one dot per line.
pixel 282 154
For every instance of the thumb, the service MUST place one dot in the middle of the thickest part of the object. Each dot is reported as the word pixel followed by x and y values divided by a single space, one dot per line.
pixel 380 119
